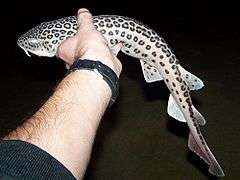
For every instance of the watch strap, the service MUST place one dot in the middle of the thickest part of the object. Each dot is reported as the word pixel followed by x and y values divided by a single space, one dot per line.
pixel 103 71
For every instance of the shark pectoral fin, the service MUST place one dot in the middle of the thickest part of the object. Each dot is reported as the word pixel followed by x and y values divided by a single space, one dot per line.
pixel 200 119
pixel 150 73
pixel 193 82
pixel 174 111
pixel 214 168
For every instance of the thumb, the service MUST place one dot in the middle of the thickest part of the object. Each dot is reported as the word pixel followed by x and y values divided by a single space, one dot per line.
pixel 85 20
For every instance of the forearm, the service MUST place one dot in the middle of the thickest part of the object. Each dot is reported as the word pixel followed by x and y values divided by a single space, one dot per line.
pixel 66 125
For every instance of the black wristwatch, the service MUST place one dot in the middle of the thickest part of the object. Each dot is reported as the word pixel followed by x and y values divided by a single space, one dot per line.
pixel 103 71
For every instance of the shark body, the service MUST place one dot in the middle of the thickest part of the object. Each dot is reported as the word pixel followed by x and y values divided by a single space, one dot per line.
pixel 157 60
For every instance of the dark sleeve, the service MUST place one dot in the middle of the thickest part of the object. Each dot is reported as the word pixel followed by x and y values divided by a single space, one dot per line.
pixel 22 160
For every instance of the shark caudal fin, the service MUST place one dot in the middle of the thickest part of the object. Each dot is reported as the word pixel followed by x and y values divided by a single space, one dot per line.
pixel 193 82
pixel 174 111
pixel 208 157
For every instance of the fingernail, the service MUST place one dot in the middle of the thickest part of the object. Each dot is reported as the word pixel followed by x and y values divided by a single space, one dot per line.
pixel 82 10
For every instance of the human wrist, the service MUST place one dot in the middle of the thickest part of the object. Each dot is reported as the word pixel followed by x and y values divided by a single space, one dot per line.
pixel 103 71
pixel 93 85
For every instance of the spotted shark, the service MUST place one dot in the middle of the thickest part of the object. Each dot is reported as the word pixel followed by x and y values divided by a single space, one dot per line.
pixel 157 60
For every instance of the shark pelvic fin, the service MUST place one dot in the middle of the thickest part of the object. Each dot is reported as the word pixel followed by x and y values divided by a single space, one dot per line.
pixel 150 73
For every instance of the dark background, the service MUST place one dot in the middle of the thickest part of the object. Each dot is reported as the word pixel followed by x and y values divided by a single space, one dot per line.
pixel 137 139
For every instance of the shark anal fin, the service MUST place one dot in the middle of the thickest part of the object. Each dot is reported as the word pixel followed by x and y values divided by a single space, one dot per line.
pixel 150 73
pixel 174 111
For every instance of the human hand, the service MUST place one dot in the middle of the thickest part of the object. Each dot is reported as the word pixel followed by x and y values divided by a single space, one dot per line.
pixel 88 43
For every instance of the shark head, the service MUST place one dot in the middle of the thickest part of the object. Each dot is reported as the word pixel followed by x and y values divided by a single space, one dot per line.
pixel 44 39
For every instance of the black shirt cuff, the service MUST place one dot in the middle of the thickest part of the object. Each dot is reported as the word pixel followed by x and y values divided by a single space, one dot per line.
pixel 22 160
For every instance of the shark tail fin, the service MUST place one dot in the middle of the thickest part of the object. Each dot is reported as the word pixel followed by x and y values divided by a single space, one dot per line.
pixel 193 82
pixel 208 157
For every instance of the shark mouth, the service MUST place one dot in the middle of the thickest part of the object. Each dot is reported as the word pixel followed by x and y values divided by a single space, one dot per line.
pixel 25 51
pixel 43 53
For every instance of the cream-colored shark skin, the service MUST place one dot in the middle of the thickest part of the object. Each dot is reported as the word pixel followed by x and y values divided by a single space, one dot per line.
pixel 157 60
